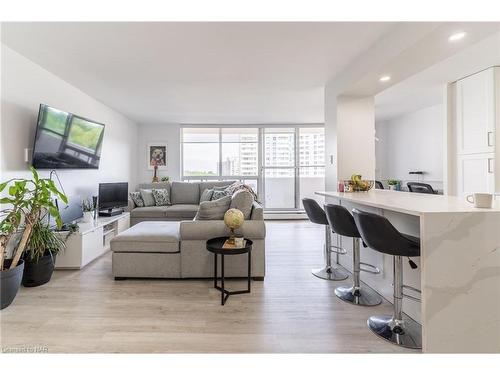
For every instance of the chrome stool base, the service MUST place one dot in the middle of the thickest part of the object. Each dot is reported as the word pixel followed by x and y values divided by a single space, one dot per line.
pixel 360 296
pixel 330 273
pixel 407 334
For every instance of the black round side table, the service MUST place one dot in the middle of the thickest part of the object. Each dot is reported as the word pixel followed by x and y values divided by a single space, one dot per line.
pixel 214 245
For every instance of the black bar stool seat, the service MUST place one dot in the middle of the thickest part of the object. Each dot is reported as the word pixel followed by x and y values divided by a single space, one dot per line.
pixel 342 223
pixel 380 235
pixel 317 216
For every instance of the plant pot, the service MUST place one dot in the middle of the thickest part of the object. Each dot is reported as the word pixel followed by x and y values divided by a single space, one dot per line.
pixel 88 217
pixel 10 281
pixel 38 273
pixel 393 187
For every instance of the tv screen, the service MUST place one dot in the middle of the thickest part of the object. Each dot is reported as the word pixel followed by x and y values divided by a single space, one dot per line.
pixel 66 141
pixel 113 195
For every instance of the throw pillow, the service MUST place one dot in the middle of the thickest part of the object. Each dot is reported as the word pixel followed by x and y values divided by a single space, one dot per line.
pixel 161 197
pixel 147 197
pixel 206 195
pixel 213 210
pixel 137 199
pixel 243 201
pixel 219 193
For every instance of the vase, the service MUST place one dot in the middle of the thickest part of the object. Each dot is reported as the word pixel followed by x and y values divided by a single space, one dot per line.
pixel 88 217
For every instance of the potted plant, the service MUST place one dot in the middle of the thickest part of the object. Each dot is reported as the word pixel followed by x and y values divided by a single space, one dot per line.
pixel 393 184
pixel 27 201
pixel 88 211
pixel 40 254
pixel 165 179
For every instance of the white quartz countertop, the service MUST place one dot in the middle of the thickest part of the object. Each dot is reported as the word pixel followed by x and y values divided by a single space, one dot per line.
pixel 410 203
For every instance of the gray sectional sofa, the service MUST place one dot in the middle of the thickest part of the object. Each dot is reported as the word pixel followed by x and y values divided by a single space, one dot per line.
pixel 185 198
pixel 168 243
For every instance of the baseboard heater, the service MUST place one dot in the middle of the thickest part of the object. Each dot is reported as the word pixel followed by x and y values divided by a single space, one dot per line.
pixel 285 215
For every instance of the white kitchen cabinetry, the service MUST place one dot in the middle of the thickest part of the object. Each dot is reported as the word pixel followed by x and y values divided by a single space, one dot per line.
pixel 91 241
pixel 477 114
pixel 476 173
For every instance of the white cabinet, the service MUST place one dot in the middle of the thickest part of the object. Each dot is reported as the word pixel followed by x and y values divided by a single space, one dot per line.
pixel 477 120
pixel 476 113
pixel 476 173
pixel 91 241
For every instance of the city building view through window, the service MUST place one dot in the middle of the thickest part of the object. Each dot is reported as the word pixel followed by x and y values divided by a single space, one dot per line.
pixel 283 165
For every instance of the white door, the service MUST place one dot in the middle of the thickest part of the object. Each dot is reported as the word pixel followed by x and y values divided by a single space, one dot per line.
pixel 476 173
pixel 476 113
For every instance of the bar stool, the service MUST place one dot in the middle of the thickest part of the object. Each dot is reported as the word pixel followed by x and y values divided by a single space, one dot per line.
pixel 379 234
pixel 317 215
pixel 342 223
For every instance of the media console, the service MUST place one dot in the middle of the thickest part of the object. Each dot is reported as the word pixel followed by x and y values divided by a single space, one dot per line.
pixel 91 241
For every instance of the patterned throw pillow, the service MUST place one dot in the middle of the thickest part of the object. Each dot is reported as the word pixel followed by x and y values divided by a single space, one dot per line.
pixel 137 198
pixel 206 196
pixel 161 197
pixel 218 194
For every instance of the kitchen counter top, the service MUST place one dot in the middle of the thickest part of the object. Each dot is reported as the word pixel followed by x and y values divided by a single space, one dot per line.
pixel 410 203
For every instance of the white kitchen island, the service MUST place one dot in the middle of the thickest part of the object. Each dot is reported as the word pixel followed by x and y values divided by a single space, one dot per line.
pixel 459 266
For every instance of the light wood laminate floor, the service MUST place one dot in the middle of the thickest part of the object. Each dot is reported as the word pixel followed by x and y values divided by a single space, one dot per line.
pixel 291 311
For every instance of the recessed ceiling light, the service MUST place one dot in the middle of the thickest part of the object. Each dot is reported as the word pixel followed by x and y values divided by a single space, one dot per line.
pixel 384 78
pixel 456 36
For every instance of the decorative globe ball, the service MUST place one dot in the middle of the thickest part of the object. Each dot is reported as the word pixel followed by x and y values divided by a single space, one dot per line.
pixel 234 218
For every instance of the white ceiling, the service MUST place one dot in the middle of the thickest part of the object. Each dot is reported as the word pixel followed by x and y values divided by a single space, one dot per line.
pixel 199 72
pixel 427 87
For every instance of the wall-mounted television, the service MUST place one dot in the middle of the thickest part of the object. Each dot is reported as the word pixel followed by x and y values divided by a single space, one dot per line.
pixel 66 141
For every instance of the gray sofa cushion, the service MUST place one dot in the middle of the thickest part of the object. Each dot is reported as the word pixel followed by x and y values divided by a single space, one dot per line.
pixel 147 197
pixel 213 210
pixel 156 185
pixel 211 184
pixel 206 195
pixel 148 237
pixel 185 193
pixel 182 211
pixel 153 211
pixel 243 201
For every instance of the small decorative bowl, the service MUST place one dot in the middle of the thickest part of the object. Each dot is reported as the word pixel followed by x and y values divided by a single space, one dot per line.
pixel 360 185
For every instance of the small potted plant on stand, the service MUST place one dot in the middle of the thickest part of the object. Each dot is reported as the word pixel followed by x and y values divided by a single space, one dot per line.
pixel 88 211
pixel 393 184
pixel 28 201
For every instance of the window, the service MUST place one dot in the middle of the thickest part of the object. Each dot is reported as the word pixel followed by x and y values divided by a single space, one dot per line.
pixel 282 164
pixel 220 153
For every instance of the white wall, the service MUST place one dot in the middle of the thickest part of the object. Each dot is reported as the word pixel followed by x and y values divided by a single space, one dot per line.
pixel 24 86
pixel 349 137
pixel 168 133
pixel 413 142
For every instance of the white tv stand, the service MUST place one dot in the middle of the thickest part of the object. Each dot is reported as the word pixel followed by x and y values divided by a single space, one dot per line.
pixel 91 241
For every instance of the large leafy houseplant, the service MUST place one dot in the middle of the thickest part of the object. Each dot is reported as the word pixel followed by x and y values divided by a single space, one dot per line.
pixel 27 201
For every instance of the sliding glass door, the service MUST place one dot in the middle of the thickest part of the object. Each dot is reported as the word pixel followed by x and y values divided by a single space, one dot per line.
pixel 294 166
pixel 279 171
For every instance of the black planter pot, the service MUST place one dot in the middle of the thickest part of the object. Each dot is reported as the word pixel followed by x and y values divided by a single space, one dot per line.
pixel 10 281
pixel 38 273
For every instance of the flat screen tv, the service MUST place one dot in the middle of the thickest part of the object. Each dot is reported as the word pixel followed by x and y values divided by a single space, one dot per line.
pixel 66 141
pixel 112 196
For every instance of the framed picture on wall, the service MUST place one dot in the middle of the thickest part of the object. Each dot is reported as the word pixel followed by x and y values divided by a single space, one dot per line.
pixel 157 154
